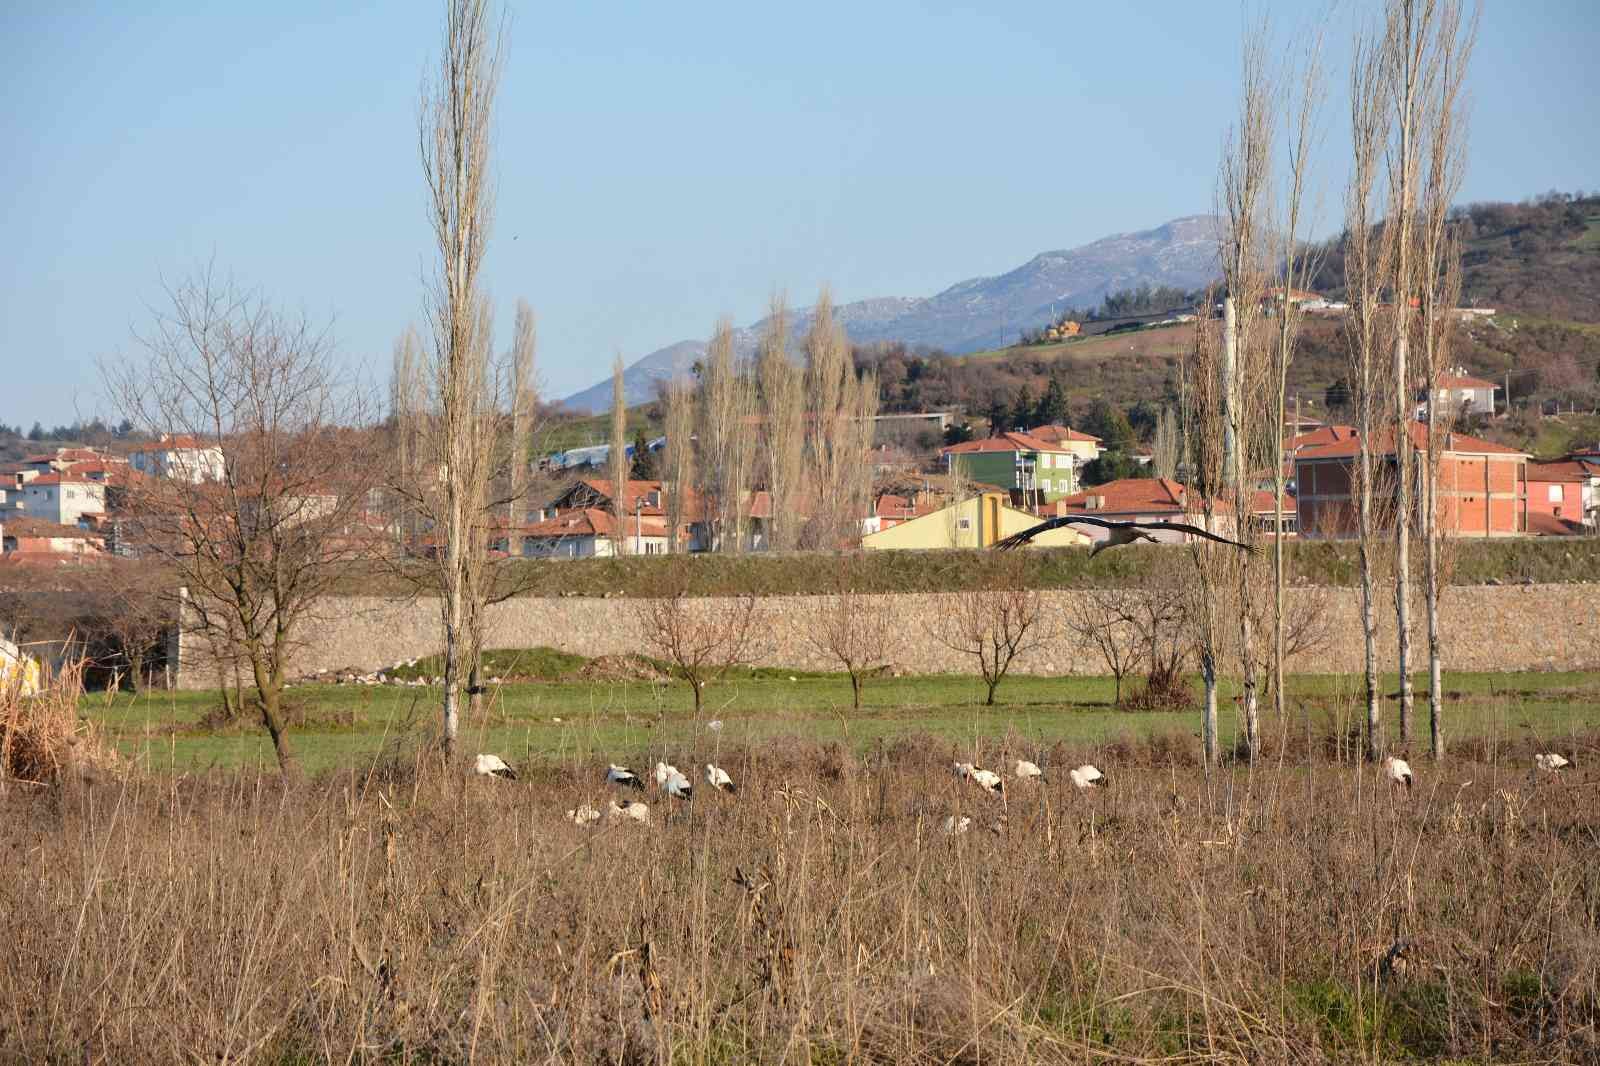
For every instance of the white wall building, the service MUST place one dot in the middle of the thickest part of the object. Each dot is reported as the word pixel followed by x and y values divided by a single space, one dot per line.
pixel 179 457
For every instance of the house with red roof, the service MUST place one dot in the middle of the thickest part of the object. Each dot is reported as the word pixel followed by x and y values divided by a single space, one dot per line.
pixel 36 540
pixel 1459 394
pixel 60 498
pixel 587 532
pixel 1144 499
pixel 1039 466
pixel 180 456
pixel 1568 492
pixel 1481 485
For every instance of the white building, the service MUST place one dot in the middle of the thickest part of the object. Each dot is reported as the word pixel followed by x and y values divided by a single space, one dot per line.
pixel 1460 394
pixel 179 457
pixel 588 532
pixel 60 498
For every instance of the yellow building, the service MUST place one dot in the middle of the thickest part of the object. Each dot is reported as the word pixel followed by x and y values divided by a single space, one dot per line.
pixel 973 523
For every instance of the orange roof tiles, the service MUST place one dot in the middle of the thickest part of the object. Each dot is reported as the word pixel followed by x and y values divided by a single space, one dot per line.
pixel 1449 442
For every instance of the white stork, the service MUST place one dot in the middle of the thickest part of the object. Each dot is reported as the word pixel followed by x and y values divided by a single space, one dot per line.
pixel 719 780
pixel 1029 771
pixel 673 782
pixel 1087 776
pixel 493 766
pixel 1398 771
pixel 633 810
pixel 987 780
pixel 1117 533
pixel 583 814
pixel 1552 762
pixel 622 776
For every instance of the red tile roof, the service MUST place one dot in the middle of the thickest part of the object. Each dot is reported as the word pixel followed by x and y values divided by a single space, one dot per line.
pixel 1133 495
pixel 1458 443
pixel 592 522
pixel 64 478
pixel 1456 381
pixel 1541 524
pixel 1061 434
pixel 1322 435
pixel 1563 470
pixel 1005 442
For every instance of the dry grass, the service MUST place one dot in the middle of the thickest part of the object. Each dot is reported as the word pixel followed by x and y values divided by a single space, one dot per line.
pixel 820 916
pixel 42 737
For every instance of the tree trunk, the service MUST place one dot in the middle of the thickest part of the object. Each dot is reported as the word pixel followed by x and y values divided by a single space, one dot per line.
pixel 1208 724
pixel 1252 719
pixel 855 688
pixel 993 683
pixel 475 690
pixel 1402 546
pixel 269 700
pixel 1430 580
pixel 136 671
pixel 1369 625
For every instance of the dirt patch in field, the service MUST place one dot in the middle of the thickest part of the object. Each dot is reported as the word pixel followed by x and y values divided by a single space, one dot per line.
pixel 621 668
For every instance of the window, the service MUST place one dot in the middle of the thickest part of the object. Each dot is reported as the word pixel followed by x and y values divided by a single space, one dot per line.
pixel 1555 493
pixel 963 523
pixel 1044 486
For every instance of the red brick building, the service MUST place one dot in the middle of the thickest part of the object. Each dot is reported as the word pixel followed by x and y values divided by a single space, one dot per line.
pixel 1482 485
pixel 1567 490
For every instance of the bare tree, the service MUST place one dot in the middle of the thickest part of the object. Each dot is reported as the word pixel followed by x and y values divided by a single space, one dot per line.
pixel 618 454
pixel 993 623
pixel 455 132
pixel 701 637
pixel 727 453
pixel 1164 448
pixel 1367 248
pixel 679 401
pixel 1303 93
pixel 139 611
pixel 783 418
pixel 260 536
pixel 841 408
pixel 1103 620
pixel 1443 130
pixel 853 630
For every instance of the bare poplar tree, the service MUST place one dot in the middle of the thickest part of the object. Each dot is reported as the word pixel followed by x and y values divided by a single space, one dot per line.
pixel 678 399
pixel 842 409
pixel 1367 252
pixel 455 131
pixel 1164 447
pixel 1244 193
pixel 618 455
pixel 783 418
pixel 1303 93
pixel 260 536
pixel 1443 132
pixel 727 452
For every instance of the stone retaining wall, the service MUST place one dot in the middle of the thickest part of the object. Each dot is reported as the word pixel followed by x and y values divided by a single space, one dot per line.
pixel 1524 627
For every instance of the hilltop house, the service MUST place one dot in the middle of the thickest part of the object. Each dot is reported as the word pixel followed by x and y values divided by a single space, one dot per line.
pixel 184 457
pixel 1040 465
pixel 1458 394
pixel 1481 485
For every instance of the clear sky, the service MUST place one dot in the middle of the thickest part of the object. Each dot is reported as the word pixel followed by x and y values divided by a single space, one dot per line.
pixel 658 164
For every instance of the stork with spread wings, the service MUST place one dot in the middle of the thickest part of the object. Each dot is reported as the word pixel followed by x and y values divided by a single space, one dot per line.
pixel 1118 533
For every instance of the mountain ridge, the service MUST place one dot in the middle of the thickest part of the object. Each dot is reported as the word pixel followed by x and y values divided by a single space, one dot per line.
pixel 976 313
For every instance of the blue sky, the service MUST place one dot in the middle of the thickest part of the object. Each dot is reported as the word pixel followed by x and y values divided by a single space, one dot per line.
pixel 658 164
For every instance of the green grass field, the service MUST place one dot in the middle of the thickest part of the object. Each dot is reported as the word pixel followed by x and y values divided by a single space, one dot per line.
pixel 346 725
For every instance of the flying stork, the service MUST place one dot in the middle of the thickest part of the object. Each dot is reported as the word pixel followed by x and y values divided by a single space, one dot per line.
pixel 1118 533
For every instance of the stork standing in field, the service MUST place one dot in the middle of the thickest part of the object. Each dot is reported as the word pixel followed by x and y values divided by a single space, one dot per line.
pixel 719 780
pixel 673 782
pixel 1398 772
pixel 1551 762
pixel 987 780
pixel 1087 776
pixel 623 777
pixel 1029 771
pixel 1117 533
pixel 493 766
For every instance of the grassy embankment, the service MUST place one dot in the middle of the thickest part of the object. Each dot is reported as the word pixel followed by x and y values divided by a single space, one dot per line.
pixel 348 725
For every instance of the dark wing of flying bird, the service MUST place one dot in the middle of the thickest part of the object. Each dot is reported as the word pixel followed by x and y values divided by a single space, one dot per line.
pixel 1017 540
pixel 1184 527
